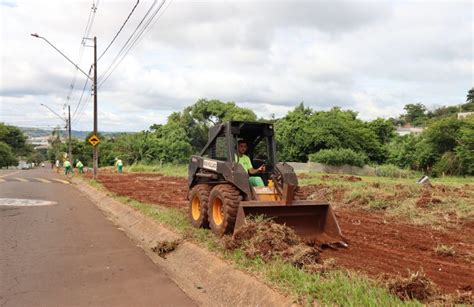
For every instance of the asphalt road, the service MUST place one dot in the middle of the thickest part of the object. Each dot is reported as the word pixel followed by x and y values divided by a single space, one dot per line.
pixel 66 253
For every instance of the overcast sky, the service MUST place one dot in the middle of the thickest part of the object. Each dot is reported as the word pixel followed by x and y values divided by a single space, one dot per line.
pixel 369 56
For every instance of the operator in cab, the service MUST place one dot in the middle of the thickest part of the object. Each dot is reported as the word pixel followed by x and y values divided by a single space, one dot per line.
pixel 244 160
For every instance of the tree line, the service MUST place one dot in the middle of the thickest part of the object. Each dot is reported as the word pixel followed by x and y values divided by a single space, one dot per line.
pixel 336 136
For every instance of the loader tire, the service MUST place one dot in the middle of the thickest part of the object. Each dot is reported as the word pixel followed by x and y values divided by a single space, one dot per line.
pixel 224 202
pixel 198 204
pixel 299 194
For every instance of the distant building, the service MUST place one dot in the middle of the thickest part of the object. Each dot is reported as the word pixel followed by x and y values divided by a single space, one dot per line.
pixel 39 142
pixel 462 115
pixel 408 129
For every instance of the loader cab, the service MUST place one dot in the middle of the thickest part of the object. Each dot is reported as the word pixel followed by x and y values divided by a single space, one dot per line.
pixel 223 142
pixel 260 142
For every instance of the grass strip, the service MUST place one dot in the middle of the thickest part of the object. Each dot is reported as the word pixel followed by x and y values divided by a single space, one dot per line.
pixel 339 287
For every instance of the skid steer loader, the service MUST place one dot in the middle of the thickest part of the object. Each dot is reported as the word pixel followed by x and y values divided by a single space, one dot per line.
pixel 221 197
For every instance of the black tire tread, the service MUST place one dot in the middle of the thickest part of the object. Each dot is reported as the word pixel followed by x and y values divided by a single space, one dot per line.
pixel 231 198
pixel 204 191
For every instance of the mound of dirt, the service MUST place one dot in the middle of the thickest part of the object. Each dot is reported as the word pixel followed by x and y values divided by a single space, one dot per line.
pixel 426 199
pixel 333 194
pixel 329 177
pixel 343 178
pixel 269 240
pixel 416 286
pixel 351 178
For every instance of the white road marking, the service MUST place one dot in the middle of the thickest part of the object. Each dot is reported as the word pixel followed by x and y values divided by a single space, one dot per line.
pixel 61 181
pixel 18 202
pixel 10 174
pixel 42 180
pixel 2 180
pixel 20 179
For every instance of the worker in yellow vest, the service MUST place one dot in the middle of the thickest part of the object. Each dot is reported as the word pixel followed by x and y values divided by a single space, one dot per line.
pixel 80 166
pixel 67 167
pixel 119 165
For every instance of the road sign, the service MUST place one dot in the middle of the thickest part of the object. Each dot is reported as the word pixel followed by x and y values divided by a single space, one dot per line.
pixel 94 140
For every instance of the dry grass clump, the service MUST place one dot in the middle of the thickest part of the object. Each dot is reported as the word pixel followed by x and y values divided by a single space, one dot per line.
pixel 444 250
pixel 165 247
pixel 325 266
pixel 463 297
pixel 415 286
pixel 268 240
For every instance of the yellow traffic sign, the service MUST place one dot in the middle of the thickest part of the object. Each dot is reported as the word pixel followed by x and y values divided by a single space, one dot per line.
pixel 94 140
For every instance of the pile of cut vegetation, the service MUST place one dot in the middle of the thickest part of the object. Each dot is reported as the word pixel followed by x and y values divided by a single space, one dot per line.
pixel 419 287
pixel 268 240
pixel 415 286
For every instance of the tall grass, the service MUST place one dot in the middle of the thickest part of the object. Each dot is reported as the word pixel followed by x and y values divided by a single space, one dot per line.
pixel 177 170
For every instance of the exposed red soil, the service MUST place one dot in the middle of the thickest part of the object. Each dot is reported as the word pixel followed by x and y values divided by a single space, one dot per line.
pixel 377 244
pixel 381 245
pixel 149 188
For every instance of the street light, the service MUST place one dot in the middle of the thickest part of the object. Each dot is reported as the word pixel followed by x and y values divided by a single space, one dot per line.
pixel 68 124
pixel 94 80
pixel 54 112
pixel 75 65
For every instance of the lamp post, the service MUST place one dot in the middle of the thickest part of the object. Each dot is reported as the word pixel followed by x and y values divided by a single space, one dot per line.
pixel 94 80
pixel 68 126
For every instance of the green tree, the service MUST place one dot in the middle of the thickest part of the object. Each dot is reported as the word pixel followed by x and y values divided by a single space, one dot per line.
pixel 416 114
pixel 292 135
pixel 383 129
pixel 401 151
pixel 447 146
pixel 36 157
pixel 464 150
pixel 16 139
pixel 7 156
pixel 304 131
pixel 197 118
pixel 173 146
pixel 470 96
pixel 442 134
pixel 130 147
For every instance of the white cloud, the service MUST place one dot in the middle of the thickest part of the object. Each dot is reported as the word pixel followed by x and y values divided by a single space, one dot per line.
pixel 370 56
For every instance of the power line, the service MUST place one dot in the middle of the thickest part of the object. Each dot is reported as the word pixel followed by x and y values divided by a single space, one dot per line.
pixel 81 112
pixel 125 22
pixel 162 12
pixel 128 40
pixel 82 94
pixel 87 30
pixel 128 46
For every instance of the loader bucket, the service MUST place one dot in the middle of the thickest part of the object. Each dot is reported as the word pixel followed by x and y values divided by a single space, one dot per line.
pixel 311 220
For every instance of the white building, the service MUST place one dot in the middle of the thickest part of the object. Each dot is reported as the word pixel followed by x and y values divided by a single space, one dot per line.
pixel 462 115
pixel 39 142
pixel 409 130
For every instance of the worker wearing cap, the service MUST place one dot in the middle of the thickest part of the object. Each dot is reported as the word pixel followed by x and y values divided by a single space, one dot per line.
pixel 244 160
pixel 119 165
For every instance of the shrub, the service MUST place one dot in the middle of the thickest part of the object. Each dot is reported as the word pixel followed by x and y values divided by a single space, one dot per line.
pixel 339 156
pixel 447 165
pixel 390 170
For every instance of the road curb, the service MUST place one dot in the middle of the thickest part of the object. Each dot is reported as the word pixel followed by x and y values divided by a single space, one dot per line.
pixel 207 279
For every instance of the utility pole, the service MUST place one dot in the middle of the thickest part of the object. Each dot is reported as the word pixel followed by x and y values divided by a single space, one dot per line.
pixel 96 150
pixel 69 128
pixel 95 155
